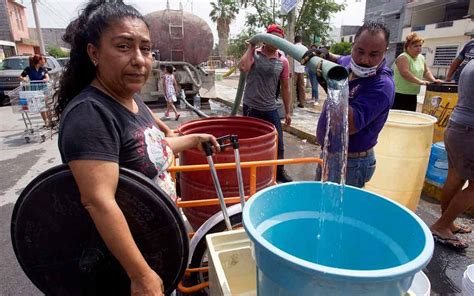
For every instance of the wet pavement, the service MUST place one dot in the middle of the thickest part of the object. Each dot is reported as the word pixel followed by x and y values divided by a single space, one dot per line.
pixel 21 162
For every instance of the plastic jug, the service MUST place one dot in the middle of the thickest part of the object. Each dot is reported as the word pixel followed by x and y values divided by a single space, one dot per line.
pixel 182 95
pixel 197 101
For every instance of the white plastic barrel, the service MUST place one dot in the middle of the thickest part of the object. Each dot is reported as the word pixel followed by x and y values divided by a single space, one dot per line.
pixel 402 153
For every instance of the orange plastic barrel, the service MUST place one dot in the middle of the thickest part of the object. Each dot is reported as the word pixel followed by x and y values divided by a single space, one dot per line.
pixel 257 141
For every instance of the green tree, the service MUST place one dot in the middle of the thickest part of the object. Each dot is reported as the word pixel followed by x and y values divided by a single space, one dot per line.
pixel 56 52
pixel 312 17
pixel 341 48
pixel 237 44
pixel 223 13
pixel 266 13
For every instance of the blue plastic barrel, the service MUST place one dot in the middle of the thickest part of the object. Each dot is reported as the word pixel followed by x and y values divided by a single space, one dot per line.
pixel 437 171
pixel 309 241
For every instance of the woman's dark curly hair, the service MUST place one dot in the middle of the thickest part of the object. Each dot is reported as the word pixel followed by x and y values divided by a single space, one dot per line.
pixel 94 19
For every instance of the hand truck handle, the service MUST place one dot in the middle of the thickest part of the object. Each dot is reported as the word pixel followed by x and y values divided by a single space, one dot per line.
pixel 217 185
pixel 207 146
pixel 224 142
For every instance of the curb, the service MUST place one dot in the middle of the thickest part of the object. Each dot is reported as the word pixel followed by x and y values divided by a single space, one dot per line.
pixel 290 129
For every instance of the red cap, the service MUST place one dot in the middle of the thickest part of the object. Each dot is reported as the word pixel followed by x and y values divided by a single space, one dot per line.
pixel 275 28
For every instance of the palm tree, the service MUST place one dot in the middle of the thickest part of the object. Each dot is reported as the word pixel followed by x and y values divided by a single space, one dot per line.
pixel 223 13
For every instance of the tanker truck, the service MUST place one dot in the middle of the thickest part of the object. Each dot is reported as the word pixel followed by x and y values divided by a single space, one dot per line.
pixel 184 41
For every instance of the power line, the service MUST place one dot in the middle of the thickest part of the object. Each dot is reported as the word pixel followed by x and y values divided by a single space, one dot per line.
pixel 54 12
pixel 46 11
pixel 70 16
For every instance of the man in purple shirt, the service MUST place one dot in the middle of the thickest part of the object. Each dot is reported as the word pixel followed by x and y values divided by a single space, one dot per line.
pixel 371 94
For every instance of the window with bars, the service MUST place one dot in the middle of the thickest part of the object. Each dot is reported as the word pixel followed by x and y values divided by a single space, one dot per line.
pixel 444 55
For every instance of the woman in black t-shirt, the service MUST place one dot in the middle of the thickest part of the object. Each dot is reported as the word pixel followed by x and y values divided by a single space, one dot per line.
pixel 103 125
pixel 36 73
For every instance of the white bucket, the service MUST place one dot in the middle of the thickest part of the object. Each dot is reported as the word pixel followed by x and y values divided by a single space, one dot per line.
pixel 420 286
pixel 468 281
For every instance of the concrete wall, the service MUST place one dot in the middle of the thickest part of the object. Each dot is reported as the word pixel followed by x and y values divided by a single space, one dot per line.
pixel 18 21
pixel 349 30
pixel 373 9
pixel 24 49
pixel 387 12
pixel 437 11
pixel 428 15
pixel 51 36
pixel 459 28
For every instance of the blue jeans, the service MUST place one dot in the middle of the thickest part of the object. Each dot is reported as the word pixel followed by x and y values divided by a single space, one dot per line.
pixel 359 170
pixel 272 117
pixel 314 84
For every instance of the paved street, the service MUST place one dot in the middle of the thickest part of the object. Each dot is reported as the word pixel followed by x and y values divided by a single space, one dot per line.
pixel 21 162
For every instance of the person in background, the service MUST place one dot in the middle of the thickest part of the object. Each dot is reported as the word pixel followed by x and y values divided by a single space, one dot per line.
pixel 371 92
pixel 410 72
pixel 464 56
pixel 104 125
pixel 314 81
pixel 170 88
pixel 299 75
pixel 37 73
pixel 266 69
pixel 459 142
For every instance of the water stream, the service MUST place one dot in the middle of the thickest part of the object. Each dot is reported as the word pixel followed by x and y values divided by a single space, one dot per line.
pixel 334 159
pixel 337 133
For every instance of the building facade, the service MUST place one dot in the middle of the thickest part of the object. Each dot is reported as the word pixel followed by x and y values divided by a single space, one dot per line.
pixel 392 13
pixel 14 36
pixel 445 25
pixel 7 46
pixel 348 33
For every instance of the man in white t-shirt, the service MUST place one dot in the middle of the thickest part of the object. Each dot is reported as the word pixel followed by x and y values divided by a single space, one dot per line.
pixel 299 75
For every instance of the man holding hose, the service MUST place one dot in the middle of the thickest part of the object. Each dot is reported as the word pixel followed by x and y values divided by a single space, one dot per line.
pixel 371 94
pixel 266 67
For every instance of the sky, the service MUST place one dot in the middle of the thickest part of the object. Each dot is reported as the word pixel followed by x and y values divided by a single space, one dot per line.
pixel 58 13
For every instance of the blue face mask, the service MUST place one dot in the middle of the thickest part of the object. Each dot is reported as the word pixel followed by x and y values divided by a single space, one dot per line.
pixel 363 71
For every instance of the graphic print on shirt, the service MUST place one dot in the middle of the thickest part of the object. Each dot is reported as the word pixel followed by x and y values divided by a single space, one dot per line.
pixel 160 154
pixel 468 56
pixel 353 92
pixel 156 148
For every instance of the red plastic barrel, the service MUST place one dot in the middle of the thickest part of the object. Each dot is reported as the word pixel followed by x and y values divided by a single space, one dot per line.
pixel 257 141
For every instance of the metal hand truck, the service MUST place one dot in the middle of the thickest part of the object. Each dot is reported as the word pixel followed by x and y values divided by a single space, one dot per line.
pixel 223 143
pixel 31 97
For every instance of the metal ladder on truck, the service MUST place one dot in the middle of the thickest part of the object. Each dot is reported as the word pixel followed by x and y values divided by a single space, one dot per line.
pixel 176 33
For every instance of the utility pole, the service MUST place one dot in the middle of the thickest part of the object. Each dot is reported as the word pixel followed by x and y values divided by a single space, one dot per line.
pixel 291 38
pixel 38 27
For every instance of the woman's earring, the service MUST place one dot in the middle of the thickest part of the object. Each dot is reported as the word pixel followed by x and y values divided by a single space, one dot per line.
pixel 94 62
